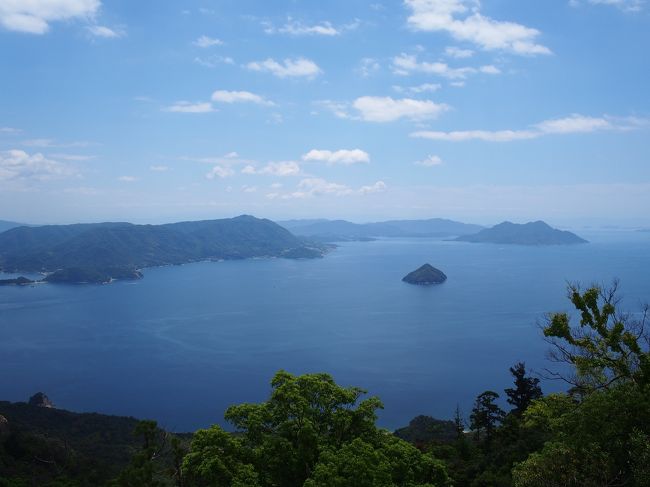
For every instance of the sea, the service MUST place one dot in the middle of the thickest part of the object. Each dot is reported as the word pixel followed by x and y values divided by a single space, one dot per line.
pixel 186 342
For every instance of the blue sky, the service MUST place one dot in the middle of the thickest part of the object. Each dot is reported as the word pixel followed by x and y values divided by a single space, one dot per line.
pixel 152 111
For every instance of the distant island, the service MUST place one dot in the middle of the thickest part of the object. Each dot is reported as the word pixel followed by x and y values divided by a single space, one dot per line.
pixel 101 252
pixel 18 281
pixel 7 225
pixel 425 275
pixel 532 233
pixel 342 230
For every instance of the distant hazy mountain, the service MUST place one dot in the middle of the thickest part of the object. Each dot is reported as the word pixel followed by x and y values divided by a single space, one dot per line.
pixel 532 233
pixel 119 247
pixel 5 225
pixel 344 230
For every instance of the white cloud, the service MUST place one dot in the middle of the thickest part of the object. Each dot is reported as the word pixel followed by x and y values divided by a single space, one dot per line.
pixel 458 53
pixel 205 41
pixel 159 168
pixel 378 187
pixel 489 69
pixel 317 186
pixel 462 19
pixel 625 5
pixel 17 164
pixel 341 156
pixel 34 16
pixel 429 161
pixel 71 157
pixel 368 66
pixel 220 172
pixel 9 130
pixel 289 68
pixel 573 124
pixel 423 88
pixel 282 168
pixel 105 32
pixel 213 61
pixel 405 64
pixel 127 179
pixel 51 143
pixel 297 28
pixel 339 109
pixel 223 96
pixel 188 107
pixel 249 189
pixel 387 109
pixel 312 187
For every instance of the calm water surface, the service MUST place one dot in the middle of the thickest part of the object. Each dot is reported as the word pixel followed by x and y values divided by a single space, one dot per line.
pixel 186 342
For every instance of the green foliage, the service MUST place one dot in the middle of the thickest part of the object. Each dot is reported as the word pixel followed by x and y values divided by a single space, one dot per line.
pixel 310 432
pixel 595 442
pixel 606 347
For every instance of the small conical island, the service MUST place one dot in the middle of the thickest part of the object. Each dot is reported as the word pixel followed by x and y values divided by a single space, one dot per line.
pixel 425 276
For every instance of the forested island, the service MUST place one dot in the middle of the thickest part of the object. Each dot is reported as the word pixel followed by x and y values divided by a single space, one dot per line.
pixel 425 275
pixel 312 432
pixel 100 252
pixel 531 233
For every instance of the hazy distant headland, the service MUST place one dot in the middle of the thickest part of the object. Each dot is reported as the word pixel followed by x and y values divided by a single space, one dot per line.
pixel 531 233
pixel 101 252
pixel 342 230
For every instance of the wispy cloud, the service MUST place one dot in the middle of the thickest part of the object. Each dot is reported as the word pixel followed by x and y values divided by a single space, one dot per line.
pixel 387 109
pixel 127 179
pixel 159 168
pixel 52 143
pixel 573 124
pixel 462 19
pixel 313 187
pixel 19 165
pixel 206 41
pixel 213 61
pixel 341 156
pixel 458 53
pixel 35 16
pixel 429 161
pixel 298 28
pixel 406 64
pixel 423 88
pixel 220 172
pixel 289 68
pixel 280 168
pixel 189 107
pixel 223 96
pixel 625 5
pixel 105 32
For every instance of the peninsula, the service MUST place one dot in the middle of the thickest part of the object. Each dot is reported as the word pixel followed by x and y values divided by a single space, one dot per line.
pixel 101 252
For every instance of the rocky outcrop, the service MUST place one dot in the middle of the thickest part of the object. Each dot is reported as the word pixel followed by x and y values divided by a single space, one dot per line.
pixel 40 400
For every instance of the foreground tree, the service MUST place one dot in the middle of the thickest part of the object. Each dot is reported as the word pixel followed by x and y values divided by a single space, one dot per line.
pixel 526 389
pixel 311 432
pixel 486 415
pixel 607 347
pixel 600 436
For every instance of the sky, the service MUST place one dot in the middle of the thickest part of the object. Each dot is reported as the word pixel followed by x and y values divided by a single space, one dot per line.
pixel 479 111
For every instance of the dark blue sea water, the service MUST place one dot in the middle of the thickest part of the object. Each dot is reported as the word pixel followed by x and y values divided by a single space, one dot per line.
pixel 186 342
